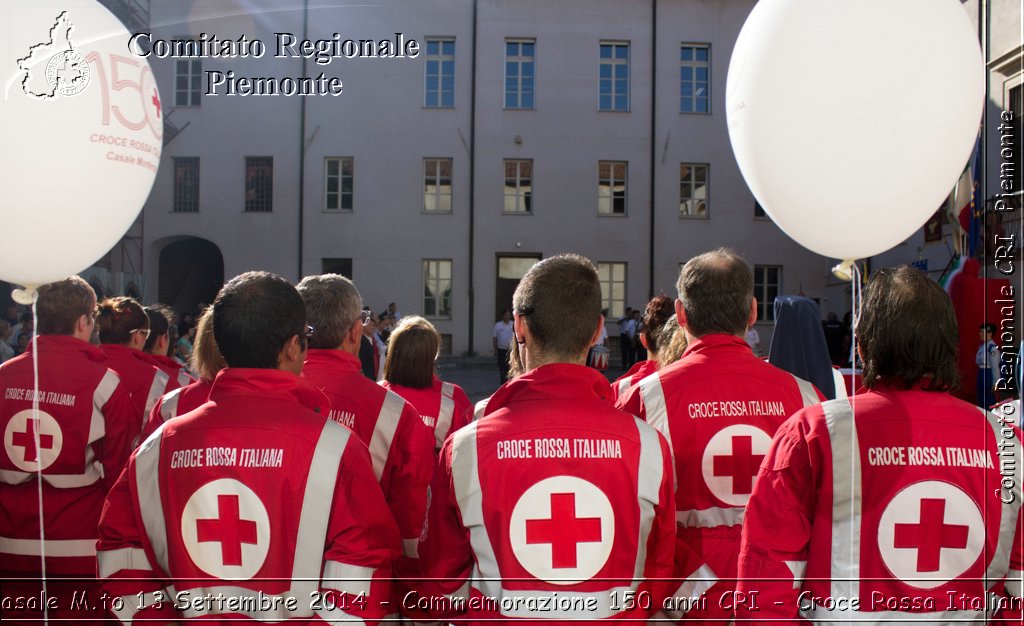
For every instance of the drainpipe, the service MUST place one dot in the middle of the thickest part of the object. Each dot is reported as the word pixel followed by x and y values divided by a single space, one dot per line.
pixel 472 185
pixel 654 108
pixel 302 143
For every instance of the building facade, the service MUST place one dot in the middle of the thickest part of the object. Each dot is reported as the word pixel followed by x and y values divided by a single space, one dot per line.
pixel 516 131
pixel 521 130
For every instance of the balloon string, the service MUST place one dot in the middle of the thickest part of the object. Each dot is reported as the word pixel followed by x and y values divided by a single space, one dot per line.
pixel 36 435
pixel 857 302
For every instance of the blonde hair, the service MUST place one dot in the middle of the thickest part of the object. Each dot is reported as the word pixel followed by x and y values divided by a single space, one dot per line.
pixel 206 359
pixel 673 343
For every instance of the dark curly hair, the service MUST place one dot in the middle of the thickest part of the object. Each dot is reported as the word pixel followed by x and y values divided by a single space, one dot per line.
pixel 658 311
pixel 907 331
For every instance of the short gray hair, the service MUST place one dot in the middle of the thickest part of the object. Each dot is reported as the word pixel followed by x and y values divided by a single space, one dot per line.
pixel 333 304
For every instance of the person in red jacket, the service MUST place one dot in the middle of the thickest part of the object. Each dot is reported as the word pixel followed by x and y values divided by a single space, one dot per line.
pixel 123 330
pixel 718 407
pixel 657 314
pixel 554 505
pixel 158 344
pixel 255 506
pixel 76 444
pixel 206 361
pixel 898 504
pixel 401 446
pixel 409 372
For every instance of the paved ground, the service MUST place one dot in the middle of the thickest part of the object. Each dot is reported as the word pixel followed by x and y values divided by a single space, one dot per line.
pixel 478 376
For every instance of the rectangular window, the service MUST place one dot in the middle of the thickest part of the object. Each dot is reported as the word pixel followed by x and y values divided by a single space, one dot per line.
pixel 695 78
pixel 611 188
pixel 338 183
pixel 186 185
pixel 518 186
pixel 519 73
pixel 613 288
pixel 188 82
pixel 693 190
pixel 437 288
pixel 613 94
pixel 437 185
pixel 259 184
pixel 439 90
pixel 767 284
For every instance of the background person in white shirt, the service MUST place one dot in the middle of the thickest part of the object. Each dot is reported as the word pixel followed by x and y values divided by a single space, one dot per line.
pixel 501 340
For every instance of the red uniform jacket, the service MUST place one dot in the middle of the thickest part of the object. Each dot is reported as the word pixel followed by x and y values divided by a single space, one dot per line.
pixel 444 407
pixel 900 513
pixel 718 407
pixel 553 505
pixel 401 446
pixel 253 498
pixel 639 371
pixel 144 381
pixel 85 427
pixel 177 402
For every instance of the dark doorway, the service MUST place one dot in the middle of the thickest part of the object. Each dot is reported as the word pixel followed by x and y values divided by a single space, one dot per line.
pixel 342 267
pixel 191 273
pixel 511 269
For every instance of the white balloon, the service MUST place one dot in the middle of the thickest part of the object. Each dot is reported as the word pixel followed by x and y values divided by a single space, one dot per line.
pixel 851 120
pixel 82 128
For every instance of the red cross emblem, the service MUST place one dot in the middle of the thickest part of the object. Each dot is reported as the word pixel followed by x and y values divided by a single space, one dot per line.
pixel 32 440
pixel 234 541
pixel 27 440
pixel 931 535
pixel 156 102
pixel 731 460
pixel 563 530
pixel 229 529
pixel 741 465
pixel 931 532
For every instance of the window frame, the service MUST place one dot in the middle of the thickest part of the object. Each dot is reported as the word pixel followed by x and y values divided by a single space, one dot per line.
pixel 438 297
pixel 521 198
pixel 340 176
pixel 247 204
pixel 609 197
pixel 608 300
pixel 436 180
pixel 693 64
pixel 520 61
pixel 613 61
pixel 691 181
pixel 766 305
pixel 177 194
pixel 193 75
pixel 440 58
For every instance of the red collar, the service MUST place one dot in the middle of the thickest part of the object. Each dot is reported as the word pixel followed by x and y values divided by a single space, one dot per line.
pixel 118 351
pixel 67 344
pixel 267 384
pixel 333 359
pixel 717 341
pixel 557 380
